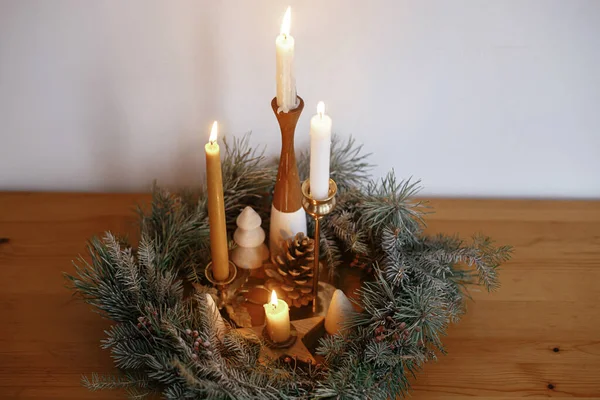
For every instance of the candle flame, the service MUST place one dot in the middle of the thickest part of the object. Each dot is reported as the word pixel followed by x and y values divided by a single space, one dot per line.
pixel 274 299
pixel 285 24
pixel 321 109
pixel 213 132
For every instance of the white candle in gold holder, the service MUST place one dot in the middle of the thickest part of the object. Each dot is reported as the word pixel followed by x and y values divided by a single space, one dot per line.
pixel 277 314
pixel 320 149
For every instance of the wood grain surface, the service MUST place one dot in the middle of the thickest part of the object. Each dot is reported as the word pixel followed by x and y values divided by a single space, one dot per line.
pixel 538 336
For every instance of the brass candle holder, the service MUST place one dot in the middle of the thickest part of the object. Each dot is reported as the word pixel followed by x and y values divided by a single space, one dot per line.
pixel 221 286
pixel 317 209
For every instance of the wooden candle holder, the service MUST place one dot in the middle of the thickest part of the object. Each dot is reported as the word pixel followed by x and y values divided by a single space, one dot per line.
pixel 287 214
pixel 288 194
pixel 280 345
pixel 308 332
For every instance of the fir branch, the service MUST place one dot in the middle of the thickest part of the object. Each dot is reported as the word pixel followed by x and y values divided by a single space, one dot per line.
pixel 103 283
pixel 418 288
pixel 330 250
pixel 179 229
pixel 446 253
pixel 103 382
pixel 390 203
pixel 348 165
pixel 248 178
pixel 346 230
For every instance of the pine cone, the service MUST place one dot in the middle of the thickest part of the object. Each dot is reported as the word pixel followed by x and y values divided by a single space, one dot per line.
pixel 291 272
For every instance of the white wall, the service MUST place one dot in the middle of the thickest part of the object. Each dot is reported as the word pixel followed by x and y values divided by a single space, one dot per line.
pixel 476 97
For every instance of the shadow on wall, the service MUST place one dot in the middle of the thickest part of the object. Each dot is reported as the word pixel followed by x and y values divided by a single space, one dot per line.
pixel 150 100
pixel 109 139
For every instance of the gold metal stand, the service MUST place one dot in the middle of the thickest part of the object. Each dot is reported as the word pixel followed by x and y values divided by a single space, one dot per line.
pixel 221 286
pixel 317 209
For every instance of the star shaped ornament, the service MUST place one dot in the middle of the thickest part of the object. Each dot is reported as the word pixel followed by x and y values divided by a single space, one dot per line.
pixel 308 332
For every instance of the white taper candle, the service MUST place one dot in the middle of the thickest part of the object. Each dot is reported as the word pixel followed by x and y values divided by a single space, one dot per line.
pixel 320 148
pixel 286 81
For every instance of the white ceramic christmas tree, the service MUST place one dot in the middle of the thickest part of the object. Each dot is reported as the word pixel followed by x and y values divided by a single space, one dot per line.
pixel 249 236
pixel 339 310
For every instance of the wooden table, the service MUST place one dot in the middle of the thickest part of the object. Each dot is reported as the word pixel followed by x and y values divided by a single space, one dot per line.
pixel 539 335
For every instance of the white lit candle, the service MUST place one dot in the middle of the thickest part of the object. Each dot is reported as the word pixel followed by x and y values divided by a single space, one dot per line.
pixel 277 315
pixel 320 148
pixel 286 81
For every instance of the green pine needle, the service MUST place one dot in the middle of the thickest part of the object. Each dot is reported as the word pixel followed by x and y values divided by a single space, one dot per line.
pixel 164 339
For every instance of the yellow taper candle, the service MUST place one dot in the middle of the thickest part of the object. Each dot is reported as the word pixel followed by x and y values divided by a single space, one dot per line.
pixel 277 315
pixel 216 208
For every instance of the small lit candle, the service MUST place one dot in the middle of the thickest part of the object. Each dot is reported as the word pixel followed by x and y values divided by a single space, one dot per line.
pixel 320 149
pixel 216 208
pixel 277 315
pixel 286 81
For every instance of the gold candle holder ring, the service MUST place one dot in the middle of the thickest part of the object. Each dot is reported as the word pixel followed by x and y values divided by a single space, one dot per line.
pixel 317 209
pixel 221 286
